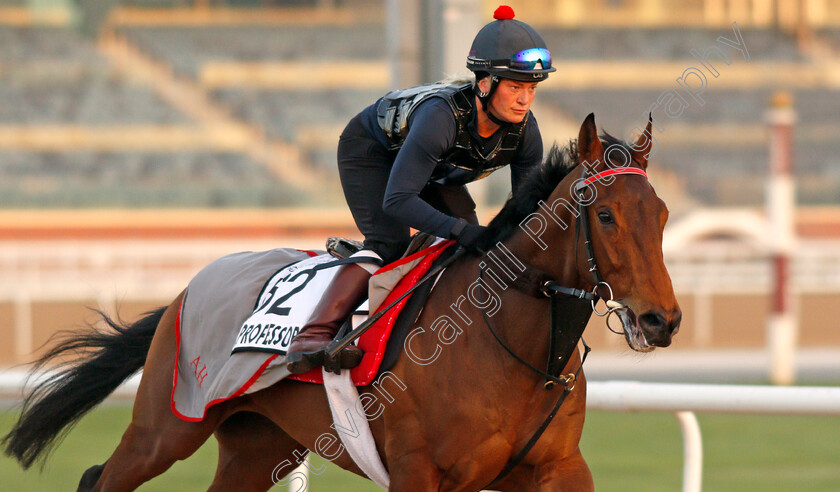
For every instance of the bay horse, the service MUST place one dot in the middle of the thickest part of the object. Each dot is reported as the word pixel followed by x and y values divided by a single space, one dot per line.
pixel 451 424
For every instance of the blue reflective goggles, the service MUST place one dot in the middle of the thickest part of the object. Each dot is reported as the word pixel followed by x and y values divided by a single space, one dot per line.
pixel 528 59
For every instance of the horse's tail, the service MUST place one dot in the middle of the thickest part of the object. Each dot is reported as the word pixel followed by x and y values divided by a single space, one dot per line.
pixel 90 366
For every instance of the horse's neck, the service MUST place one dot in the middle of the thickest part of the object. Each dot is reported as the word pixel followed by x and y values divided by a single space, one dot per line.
pixel 472 307
pixel 520 319
pixel 552 251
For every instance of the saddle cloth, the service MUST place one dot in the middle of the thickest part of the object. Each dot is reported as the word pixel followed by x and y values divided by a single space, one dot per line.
pixel 220 354
pixel 286 304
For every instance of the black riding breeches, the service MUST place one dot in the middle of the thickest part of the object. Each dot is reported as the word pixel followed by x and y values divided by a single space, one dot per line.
pixel 364 167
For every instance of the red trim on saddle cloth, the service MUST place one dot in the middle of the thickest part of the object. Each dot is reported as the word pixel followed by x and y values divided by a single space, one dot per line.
pixel 374 341
pixel 236 393
pixel 408 259
pixel 309 252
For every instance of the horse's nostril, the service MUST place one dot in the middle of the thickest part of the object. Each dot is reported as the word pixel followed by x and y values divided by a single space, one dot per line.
pixel 653 321
pixel 675 324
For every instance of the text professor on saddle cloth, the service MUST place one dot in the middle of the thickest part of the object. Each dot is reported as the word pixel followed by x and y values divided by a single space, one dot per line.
pixel 404 161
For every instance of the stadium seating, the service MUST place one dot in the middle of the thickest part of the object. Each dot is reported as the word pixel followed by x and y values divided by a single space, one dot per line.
pixel 46 43
pixel 172 179
pixel 187 48
pixel 52 76
pixel 831 36
pixel 638 43
pixel 737 119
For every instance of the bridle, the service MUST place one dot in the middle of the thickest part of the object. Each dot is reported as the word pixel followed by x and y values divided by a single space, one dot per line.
pixel 569 313
pixel 581 186
pixel 553 289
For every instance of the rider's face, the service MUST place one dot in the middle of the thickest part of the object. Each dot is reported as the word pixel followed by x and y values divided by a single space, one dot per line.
pixel 512 100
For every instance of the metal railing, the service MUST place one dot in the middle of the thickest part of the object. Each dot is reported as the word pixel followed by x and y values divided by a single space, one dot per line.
pixel 685 399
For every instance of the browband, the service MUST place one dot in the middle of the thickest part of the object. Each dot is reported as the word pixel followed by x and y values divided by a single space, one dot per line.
pixel 609 172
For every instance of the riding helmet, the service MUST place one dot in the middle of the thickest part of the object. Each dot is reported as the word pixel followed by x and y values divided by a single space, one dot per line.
pixel 510 49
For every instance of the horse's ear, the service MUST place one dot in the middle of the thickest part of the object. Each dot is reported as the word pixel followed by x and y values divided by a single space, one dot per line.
pixel 643 146
pixel 589 145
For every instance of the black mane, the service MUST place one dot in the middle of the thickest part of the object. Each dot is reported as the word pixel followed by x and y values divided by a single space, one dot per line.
pixel 538 186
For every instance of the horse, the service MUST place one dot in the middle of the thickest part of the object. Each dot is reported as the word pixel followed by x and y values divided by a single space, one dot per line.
pixel 452 414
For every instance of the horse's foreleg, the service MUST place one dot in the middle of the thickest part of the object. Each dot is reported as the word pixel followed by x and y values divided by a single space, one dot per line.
pixel 156 438
pixel 567 475
pixel 520 479
pixel 254 454
pixel 414 471
pixel 570 474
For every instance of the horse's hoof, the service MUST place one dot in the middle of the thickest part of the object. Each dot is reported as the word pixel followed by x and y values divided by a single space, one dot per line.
pixel 90 477
pixel 301 362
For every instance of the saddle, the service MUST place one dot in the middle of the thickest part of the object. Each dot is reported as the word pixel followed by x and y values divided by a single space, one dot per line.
pixel 342 248
pixel 383 343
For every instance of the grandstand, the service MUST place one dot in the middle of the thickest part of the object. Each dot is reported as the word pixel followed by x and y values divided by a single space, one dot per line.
pixel 253 87
pixel 188 48
pixel 657 44
pixel 132 179
pixel 246 70
pixel 721 147
pixel 830 37
pixel 79 130
pixel 311 115
pixel 52 76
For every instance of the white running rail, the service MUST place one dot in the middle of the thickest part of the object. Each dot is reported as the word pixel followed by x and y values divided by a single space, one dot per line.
pixel 685 399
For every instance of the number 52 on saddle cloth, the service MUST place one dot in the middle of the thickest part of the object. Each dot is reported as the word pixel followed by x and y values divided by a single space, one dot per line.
pixel 240 313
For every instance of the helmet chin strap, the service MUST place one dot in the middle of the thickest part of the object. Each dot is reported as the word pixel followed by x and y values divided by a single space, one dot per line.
pixel 484 98
pixel 494 119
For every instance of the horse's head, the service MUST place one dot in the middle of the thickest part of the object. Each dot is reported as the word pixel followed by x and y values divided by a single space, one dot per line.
pixel 555 210
pixel 625 222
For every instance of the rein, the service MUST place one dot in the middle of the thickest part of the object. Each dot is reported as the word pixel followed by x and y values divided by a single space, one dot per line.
pixel 568 317
pixel 553 291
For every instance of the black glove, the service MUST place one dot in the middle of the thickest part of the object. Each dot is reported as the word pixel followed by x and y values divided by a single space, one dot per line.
pixel 470 236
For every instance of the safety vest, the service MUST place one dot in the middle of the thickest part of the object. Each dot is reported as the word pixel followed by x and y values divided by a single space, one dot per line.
pixel 464 162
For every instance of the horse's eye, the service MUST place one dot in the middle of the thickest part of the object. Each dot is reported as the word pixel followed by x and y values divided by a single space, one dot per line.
pixel 606 217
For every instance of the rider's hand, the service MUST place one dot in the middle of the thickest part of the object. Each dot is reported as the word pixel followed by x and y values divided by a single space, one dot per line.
pixel 469 236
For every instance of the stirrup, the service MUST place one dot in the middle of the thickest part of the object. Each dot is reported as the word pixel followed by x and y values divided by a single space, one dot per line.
pixel 341 247
pixel 301 362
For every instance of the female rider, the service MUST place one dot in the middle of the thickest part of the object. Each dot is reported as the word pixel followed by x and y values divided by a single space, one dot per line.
pixel 403 162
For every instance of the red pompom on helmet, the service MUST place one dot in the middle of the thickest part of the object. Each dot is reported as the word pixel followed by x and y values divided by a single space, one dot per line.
pixel 503 12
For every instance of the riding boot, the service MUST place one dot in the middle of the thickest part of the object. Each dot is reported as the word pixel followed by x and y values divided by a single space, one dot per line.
pixel 347 290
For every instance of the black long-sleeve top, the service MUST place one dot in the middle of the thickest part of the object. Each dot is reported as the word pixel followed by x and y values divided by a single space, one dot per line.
pixel 432 131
